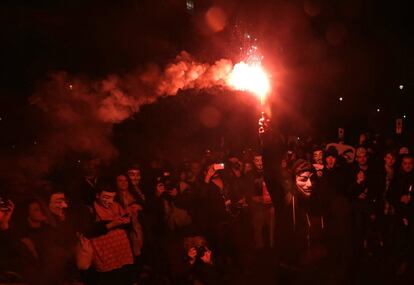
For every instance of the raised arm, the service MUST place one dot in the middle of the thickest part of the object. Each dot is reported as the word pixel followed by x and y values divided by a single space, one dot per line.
pixel 272 157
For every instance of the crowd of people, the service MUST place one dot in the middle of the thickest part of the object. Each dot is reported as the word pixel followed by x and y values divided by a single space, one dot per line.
pixel 286 213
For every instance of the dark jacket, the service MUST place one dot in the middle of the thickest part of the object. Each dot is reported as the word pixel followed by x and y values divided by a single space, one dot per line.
pixel 10 257
pixel 399 187
pixel 299 222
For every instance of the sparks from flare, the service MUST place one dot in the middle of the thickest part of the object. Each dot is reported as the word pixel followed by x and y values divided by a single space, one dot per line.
pixel 251 78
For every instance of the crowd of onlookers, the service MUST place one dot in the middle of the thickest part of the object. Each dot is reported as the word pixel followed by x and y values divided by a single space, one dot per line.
pixel 210 220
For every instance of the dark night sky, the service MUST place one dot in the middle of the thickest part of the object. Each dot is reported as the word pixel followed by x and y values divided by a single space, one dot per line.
pixel 318 51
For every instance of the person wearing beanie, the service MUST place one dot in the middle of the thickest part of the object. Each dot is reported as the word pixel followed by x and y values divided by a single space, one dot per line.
pixel 300 240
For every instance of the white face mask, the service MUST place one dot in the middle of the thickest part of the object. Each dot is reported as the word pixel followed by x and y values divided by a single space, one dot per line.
pixel 58 205
pixel 304 183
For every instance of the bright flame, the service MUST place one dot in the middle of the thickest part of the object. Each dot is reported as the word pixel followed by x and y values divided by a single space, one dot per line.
pixel 251 78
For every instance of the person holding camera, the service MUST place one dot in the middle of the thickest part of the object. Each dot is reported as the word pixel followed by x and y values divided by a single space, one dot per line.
pixel 200 265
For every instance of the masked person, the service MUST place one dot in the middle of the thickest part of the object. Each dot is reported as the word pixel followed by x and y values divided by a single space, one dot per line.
pixel 60 241
pixel 113 254
pixel 300 229
pixel 134 175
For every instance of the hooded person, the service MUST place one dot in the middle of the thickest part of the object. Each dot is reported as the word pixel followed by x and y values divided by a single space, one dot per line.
pixel 300 229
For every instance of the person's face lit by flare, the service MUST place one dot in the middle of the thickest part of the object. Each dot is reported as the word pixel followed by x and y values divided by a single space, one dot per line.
pixel 407 164
pixel 389 160
pixel 248 167
pixel 106 199
pixel 362 158
pixel 330 161
pixel 304 183
pixel 258 162
pixel 35 213
pixel 58 205
pixel 122 183
pixel 159 189
pixel 318 156
pixel 135 176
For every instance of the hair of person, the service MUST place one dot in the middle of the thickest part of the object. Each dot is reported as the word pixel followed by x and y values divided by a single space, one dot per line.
pixel 317 147
pixel 301 166
pixel 53 191
pixel 31 201
pixel 106 188
pixel 134 166
pixel 407 156
pixel 390 151
pixel 114 183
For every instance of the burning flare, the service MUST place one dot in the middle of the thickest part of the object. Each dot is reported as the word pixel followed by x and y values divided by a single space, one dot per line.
pixel 251 78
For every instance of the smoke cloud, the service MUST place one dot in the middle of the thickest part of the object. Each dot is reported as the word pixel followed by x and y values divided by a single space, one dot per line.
pixel 80 113
pixel 186 73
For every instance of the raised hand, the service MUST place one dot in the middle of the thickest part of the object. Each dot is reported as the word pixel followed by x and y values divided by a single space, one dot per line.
pixel 263 123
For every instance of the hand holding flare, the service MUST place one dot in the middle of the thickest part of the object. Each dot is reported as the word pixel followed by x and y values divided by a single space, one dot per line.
pixel 252 78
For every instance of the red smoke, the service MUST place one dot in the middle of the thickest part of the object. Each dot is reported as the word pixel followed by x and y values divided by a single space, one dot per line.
pixel 80 113
pixel 186 73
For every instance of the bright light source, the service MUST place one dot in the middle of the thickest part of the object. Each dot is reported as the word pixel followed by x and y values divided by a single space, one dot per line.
pixel 341 99
pixel 405 116
pixel 378 110
pixel 251 78
pixel 401 87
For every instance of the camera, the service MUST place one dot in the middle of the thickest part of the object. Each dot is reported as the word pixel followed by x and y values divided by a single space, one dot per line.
pixel 5 205
pixel 218 166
